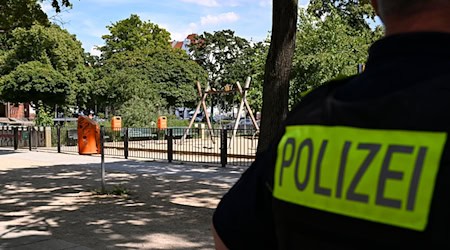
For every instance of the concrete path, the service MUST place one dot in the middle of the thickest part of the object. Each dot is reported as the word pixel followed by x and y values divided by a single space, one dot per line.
pixel 47 201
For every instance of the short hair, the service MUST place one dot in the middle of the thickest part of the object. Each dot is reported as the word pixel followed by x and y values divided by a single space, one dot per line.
pixel 407 7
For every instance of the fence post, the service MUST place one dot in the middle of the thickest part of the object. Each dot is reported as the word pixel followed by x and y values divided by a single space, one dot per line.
pixel 125 143
pixel 29 138
pixel 170 145
pixel 102 153
pixel 223 147
pixel 16 138
pixel 58 135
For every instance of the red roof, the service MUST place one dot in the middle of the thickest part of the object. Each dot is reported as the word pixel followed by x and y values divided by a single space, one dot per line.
pixel 191 37
pixel 178 45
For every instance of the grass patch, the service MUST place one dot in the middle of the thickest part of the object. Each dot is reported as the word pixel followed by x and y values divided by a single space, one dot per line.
pixel 117 190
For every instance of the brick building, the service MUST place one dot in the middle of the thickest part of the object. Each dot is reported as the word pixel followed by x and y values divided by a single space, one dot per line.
pixel 16 112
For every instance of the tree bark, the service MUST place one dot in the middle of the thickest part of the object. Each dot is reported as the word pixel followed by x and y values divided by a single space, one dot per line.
pixel 278 70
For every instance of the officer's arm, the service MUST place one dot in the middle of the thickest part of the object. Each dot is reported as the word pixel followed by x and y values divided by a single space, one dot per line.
pixel 218 241
pixel 243 218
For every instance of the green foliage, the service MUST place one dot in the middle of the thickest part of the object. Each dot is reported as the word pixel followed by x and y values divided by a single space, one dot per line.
pixel 48 45
pixel 83 85
pixel 173 121
pixel 229 59
pixel 21 13
pixel 139 112
pixel 354 12
pixel 117 190
pixel 223 55
pixel 24 14
pixel 43 117
pixel 140 75
pixel 133 34
pixel 326 49
pixel 258 62
pixel 33 82
pixel 45 63
pixel 175 75
pixel 58 4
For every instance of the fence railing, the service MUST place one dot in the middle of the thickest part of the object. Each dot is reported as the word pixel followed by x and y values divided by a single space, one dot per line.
pixel 25 137
pixel 199 146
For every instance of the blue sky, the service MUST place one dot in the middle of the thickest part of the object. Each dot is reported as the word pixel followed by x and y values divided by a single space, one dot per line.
pixel 88 19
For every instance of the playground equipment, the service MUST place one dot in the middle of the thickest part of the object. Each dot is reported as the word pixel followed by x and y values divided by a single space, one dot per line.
pixel 202 104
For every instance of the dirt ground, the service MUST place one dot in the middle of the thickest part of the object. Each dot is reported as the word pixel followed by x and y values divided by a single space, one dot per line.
pixel 52 196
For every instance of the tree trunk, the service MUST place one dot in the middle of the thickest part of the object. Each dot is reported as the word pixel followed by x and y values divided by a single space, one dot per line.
pixel 278 70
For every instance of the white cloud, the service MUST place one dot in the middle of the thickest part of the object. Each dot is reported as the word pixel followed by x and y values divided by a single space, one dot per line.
pixel 265 3
pixel 221 18
pixel 46 7
pixel 95 52
pixel 181 34
pixel 207 3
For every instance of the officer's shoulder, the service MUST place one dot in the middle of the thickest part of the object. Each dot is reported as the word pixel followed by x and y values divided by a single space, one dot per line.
pixel 321 92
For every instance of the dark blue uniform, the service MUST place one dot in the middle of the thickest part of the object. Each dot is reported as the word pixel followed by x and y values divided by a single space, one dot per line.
pixel 361 163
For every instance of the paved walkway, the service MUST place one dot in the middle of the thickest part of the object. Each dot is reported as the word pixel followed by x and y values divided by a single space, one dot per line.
pixel 47 202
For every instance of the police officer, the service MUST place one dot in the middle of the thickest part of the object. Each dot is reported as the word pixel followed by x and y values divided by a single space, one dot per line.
pixel 361 163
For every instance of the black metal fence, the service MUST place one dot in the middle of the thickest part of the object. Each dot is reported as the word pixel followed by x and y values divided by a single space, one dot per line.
pixel 24 137
pixel 196 145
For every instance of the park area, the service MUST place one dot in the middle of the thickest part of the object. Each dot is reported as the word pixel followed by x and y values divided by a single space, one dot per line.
pixel 53 201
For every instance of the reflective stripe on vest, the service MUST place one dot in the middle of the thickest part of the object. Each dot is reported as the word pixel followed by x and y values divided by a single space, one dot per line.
pixel 384 176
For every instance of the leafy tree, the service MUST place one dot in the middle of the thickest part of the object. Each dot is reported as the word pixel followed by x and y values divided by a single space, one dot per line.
pixel 21 13
pixel 43 116
pixel 327 48
pixel 165 78
pixel 58 4
pixel 83 87
pixel 223 55
pixel 139 64
pixel 226 57
pixel 258 59
pixel 354 12
pixel 278 70
pixel 176 76
pixel 133 34
pixel 34 82
pixel 139 112
pixel 49 45
pixel 26 13
pixel 46 48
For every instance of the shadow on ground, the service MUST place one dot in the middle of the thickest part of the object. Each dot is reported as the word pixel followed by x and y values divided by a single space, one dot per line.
pixel 169 207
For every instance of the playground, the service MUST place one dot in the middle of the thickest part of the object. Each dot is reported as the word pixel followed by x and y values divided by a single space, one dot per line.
pixel 51 201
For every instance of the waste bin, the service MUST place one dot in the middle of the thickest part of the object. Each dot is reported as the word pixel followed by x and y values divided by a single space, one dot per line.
pixel 116 123
pixel 88 136
pixel 162 122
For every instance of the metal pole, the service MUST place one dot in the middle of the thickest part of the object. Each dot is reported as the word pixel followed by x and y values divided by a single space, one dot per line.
pixel 58 135
pixel 223 147
pixel 102 152
pixel 170 145
pixel 125 143
pixel 16 138
pixel 29 138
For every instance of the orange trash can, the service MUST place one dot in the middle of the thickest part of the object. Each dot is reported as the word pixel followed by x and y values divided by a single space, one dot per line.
pixel 116 123
pixel 88 136
pixel 162 122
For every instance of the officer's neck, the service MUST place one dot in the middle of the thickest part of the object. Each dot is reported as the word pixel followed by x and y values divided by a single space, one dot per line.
pixel 430 21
